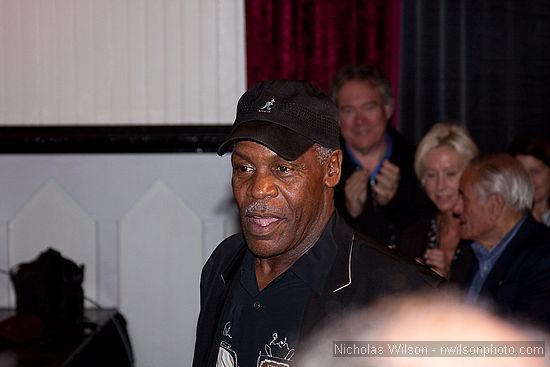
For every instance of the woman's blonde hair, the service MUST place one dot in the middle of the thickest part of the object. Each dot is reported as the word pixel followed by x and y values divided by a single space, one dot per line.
pixel 449 134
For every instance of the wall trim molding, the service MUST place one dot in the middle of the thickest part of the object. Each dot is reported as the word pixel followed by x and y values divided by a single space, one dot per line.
pixel 112 139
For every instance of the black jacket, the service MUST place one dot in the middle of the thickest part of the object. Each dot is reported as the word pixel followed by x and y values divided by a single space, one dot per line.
pixel 385 223
pixel 362 271
pixel 519 283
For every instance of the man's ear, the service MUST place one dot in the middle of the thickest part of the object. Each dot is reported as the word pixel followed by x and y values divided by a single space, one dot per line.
pixel 496 206
pixel 334 169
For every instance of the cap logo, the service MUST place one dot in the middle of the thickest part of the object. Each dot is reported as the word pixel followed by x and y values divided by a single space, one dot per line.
pixel 267 106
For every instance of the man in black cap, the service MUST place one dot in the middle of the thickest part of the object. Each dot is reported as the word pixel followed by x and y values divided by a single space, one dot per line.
pixel 297 264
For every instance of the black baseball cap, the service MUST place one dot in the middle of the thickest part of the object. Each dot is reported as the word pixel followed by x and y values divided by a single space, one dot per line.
pixel 287 116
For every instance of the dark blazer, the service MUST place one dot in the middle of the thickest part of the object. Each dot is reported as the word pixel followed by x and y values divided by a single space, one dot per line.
pixel 519 283
pixel 385 223
pixel 362 271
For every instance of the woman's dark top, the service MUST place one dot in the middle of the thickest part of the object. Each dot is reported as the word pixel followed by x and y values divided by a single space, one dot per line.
pixel 422 235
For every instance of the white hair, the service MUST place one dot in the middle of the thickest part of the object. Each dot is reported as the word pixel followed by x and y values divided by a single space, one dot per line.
pixel 501 173
pixel 424 318
pixel 323 153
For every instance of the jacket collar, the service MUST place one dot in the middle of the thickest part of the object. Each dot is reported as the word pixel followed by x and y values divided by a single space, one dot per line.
pixel 235 263
pixel 517 245
pixel 340 274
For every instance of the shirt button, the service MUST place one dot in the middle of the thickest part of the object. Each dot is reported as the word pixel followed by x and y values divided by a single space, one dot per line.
pixel 257 305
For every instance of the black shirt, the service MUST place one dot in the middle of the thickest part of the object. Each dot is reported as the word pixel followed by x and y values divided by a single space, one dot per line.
pixel 264 325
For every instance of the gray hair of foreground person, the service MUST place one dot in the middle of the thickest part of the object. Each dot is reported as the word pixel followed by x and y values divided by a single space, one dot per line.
pixel 500 173
pixel 429 317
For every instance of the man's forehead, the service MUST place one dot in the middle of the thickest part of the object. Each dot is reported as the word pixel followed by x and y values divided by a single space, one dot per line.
pixel 468 182
pixel 469 174
pixel 465 180
pixel 361 89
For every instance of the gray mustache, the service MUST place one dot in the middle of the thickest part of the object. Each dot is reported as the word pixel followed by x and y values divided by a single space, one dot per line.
pixel 260 207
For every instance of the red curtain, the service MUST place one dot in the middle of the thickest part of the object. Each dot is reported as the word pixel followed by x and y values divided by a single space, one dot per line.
pixel 312 39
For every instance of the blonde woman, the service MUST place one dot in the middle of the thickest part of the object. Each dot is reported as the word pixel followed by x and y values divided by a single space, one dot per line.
pixel 441 156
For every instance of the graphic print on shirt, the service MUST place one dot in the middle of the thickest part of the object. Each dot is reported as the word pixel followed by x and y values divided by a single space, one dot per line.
pixel 226 356
pixel 277 353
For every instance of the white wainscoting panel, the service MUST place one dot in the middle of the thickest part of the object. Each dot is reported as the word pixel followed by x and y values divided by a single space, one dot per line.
pixel 97 62
pixel 155 235
pixel 142 224
pixel 51 218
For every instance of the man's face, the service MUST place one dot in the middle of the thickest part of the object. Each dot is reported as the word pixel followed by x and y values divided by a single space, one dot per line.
pixel 279 201
pixel 363 115
pixel 476 221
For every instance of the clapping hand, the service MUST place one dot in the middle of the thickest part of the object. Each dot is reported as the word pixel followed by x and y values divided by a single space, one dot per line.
pixel 387 183
pixel 355 191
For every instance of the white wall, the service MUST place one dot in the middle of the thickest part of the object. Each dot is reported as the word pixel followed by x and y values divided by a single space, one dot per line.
pixel 142 224
pixel 67 62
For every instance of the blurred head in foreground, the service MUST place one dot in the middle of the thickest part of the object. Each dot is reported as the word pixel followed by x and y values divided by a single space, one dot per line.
pixel 420 321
